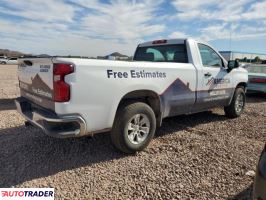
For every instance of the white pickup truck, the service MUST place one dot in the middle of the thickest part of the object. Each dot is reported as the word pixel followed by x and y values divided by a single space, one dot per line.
pixel 70 97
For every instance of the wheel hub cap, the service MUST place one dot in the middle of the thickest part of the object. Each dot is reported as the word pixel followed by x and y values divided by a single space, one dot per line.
pixel 138 128
pixel 239 104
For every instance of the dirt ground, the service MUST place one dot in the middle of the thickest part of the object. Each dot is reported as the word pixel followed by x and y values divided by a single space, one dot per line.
pixel 200 156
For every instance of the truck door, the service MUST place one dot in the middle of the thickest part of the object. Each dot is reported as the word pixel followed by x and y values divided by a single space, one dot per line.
pixel 215 83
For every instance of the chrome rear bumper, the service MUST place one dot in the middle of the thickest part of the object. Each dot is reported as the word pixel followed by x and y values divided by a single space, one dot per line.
pixel 52 124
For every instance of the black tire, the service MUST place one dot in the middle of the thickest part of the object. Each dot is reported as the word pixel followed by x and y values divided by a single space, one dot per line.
pixel 234 110
pixel 120 131
pixel 3 63
pixel 27 124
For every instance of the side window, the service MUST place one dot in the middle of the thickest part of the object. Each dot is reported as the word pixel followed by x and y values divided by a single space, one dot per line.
pixel 209 57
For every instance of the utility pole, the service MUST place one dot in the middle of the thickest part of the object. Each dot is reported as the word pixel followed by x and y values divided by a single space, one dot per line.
pixel 230 43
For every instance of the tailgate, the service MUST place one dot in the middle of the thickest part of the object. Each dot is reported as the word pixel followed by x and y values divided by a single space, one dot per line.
pixel 35 77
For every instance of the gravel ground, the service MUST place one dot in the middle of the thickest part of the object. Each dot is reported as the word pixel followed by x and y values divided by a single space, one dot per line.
pixel 200 156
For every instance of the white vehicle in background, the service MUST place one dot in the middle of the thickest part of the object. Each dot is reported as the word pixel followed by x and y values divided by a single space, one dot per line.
pixel 73 97
pixel 257 78
pixel 12 61
pixel 3 60
pixel 9 61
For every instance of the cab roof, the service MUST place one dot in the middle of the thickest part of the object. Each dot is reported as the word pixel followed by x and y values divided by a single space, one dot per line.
pixel 163 42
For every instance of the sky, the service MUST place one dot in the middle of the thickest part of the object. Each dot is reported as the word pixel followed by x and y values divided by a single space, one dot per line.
pixel 100 27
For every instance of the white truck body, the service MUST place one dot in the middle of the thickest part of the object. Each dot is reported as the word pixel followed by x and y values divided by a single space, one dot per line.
pixel 97 87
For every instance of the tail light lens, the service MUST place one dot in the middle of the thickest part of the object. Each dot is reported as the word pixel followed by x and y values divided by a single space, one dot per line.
pixel 257 80
pixel 61 88
pixel 159 42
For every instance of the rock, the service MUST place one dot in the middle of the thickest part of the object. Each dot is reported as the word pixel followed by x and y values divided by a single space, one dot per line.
pixel 250 173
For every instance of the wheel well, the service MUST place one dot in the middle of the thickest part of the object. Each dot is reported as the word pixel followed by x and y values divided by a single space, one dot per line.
pixel 146 96
pixel 242 84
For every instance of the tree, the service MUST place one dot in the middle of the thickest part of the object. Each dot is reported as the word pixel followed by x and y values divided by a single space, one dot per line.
pixel 257 59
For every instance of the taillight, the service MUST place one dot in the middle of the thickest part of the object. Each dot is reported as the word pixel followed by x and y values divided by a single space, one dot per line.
pixel 61 88
pixel 257 80
pixel 159 42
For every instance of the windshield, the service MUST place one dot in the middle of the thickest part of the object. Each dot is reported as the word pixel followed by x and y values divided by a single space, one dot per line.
pixel 163 53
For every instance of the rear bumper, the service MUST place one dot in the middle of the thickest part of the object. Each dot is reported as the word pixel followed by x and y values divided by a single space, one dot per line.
pixel 53 125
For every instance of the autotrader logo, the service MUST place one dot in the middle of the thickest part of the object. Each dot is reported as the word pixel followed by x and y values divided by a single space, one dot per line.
pixel 27 193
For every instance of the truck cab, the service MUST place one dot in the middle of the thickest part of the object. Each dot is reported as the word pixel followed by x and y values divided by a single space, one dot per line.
pixel 211 82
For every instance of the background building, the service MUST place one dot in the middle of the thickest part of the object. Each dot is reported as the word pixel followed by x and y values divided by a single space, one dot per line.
pixel 115 56
pixel 243 56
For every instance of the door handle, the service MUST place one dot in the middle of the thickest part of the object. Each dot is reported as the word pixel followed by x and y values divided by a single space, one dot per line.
pixel 207 74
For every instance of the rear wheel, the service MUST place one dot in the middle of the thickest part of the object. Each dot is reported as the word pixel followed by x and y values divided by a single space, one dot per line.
pixel 237 104
pixel 134 127
pixel 3 62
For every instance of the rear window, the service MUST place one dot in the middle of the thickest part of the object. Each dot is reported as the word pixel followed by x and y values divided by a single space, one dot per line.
pixel 257 69
pixel 163 53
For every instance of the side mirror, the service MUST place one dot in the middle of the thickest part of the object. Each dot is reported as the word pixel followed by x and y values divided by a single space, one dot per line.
pixel 232 64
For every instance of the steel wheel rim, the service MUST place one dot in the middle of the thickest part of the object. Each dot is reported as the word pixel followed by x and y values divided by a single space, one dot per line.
pixel 239 104
pixel 138 128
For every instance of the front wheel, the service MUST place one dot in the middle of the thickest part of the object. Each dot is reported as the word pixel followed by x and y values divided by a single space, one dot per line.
pixel 134 127
pixel 237 104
